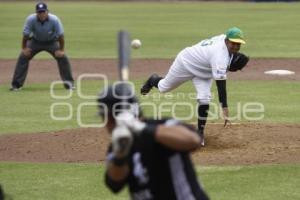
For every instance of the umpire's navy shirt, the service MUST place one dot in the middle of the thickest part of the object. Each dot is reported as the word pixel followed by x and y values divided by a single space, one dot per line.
pixel 46 31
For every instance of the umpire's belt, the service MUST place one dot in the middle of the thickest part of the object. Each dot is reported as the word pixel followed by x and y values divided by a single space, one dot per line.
pixel 43 42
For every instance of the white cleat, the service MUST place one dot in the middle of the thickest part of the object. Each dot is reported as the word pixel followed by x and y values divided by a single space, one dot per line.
pixel 202 142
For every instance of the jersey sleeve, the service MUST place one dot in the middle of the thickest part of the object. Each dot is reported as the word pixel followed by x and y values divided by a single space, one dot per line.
pixel 27 30
pixel 221 86
pixel 59 28
pixel 146 140
pixel 114 186
pixel 166 150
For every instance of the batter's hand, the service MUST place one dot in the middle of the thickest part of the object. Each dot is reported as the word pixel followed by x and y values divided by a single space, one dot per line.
pixel 26 51
pixel 121 141
pixel 59 53
pixel 226 116
pixel 128 120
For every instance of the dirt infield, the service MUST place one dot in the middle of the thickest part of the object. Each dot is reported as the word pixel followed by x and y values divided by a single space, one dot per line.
pixel 239 144
pixel 42 71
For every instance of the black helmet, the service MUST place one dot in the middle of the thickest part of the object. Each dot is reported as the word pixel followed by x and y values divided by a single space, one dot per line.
pixel 117 97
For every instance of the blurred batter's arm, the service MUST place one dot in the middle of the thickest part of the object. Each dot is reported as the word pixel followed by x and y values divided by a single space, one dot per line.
pixel 116 176
pixel 177 137
pixel 117 171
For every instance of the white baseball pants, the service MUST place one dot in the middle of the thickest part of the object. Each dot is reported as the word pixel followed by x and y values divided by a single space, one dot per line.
pixel 178 74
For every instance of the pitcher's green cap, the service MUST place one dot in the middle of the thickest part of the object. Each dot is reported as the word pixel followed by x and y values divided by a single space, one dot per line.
pixel 235 35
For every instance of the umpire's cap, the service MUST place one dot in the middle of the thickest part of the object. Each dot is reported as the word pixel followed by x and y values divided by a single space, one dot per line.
pixel 117 97
pixel 41 7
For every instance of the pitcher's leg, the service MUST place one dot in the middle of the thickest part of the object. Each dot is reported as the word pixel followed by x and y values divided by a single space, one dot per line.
pixel 203 87
pixel 176 75
pixel 202 118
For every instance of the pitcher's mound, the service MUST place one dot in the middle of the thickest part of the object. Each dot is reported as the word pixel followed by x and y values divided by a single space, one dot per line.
pixel 239 144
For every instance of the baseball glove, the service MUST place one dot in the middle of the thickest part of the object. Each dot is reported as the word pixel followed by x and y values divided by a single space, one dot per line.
pixel 238 62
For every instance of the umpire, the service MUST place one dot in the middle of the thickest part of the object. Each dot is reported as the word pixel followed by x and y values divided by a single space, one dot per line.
pixel 42 32
pixel 151 157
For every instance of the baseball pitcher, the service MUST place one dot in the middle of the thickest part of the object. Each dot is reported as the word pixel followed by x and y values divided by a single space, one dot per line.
pixel 202 63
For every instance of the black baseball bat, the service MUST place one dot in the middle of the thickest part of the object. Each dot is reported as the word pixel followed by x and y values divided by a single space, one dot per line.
pixel 123 67
pixel 124 54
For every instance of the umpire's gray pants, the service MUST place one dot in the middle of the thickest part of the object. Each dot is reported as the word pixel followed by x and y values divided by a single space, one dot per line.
pixel 22 65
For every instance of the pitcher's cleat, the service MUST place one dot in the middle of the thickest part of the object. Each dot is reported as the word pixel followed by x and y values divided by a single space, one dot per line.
pixel 150 83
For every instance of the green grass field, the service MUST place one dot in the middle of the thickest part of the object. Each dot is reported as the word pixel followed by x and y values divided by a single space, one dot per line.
pixel 32 110
pixel 85 181
pixel 164 28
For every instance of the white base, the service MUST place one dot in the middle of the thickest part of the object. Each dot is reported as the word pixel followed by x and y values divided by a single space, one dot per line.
pixel 279 72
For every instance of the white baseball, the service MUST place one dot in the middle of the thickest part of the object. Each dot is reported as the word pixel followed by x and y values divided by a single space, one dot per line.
pixel 136 43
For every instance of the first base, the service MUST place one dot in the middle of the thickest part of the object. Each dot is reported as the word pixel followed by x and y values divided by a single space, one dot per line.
pixel 280 72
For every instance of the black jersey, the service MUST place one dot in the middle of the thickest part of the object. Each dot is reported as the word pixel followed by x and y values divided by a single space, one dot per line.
pixel 159 173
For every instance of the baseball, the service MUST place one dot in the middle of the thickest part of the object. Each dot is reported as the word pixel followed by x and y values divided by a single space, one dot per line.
pixel 136 43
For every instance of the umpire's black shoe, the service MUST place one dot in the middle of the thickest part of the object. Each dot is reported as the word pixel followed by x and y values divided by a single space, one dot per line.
pixel 15 89
pixel 150 83
pixel 69 86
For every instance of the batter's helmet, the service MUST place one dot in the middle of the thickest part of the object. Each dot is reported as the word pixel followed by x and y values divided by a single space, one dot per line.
pixel 117 97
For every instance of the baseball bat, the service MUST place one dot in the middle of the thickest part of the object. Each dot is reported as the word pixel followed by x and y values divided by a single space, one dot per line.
pixel 124 54
pixel 123 66
pixel 125 140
